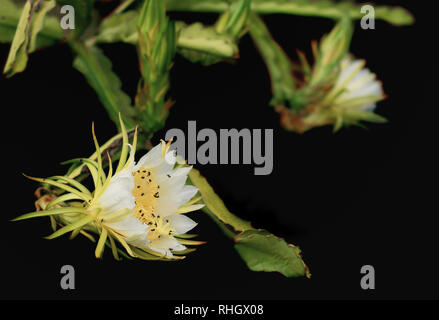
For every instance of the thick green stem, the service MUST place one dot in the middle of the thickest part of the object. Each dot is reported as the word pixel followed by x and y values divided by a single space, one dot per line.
pixel 277 61
pixel 318 8
pixel 229 233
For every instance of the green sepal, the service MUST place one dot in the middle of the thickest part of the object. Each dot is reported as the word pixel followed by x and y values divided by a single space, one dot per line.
pixel 70 227
pixel 184 252
pixel 151 255
pixel 186 236
pixel 50 212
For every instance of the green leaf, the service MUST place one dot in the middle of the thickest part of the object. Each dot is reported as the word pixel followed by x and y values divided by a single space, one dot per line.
pixel 70 227
pixel 17 58
pixel 200 43
pixel 147 256
pixel 215 204
pixel 30 23
pixel 96 68
pixel 9 17
pixel 318 8
pixel 113 143
pixel 38 22
pixel 196 42
pixel 262 251
pixel 101 243
pixel 119 27
pixel 50 212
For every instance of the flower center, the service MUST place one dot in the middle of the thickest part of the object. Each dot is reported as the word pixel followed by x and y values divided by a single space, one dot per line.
pixel 146 192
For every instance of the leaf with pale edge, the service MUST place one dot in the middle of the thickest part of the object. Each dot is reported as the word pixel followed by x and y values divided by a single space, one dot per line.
pixel 263 251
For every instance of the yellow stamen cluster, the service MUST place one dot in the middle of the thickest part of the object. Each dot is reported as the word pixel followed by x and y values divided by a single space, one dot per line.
pixel 146 192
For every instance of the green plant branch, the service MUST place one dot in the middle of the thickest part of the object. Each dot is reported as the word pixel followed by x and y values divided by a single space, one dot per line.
pixel 318 8
pixel 277 61
pixel 227 232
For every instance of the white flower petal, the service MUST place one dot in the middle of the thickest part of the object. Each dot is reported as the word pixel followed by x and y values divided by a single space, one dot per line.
pixel 181 224
pixel 166 243
pixel 118 193
pixel 166 165
pixel 187 193
pixel 368 107
pixel 131 228
pixel 361 83
pixel 150 159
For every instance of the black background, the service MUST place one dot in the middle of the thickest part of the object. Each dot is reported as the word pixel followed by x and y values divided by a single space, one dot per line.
pixel 348 199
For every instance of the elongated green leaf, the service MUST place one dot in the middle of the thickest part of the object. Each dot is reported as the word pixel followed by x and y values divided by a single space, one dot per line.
pixel 113 247
pixel 114 142
pixel 191 242
pixel 50 212
pixel 17 58
pixel 318 8
pixel 9 18
pixel 262 251
pixel 62 186
pixel 29 25
pixel 96 67
pixel 147 256
pixel 186 236
pixel 70 227
pixel 10 13
pixel 101 243
pixel 74 183
pixel 74 233
pixel 63 198
pixel 124 152
pixel 215 204
pixel 183 252
pixel 38 22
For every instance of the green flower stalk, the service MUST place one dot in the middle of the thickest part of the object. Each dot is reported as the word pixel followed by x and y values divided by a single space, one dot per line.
pixel 156 50
pixel 139 205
